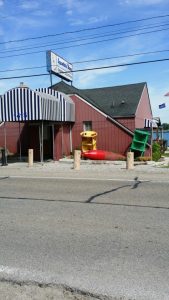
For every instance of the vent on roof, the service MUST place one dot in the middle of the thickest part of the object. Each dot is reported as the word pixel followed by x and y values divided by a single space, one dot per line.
pixel 123 101
pixel 23 85
pixel 113 104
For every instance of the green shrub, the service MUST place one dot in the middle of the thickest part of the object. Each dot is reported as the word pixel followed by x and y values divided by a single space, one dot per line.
pixel 143 158
pixel 156 151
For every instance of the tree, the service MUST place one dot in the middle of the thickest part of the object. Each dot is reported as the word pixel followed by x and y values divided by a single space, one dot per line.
pixel 165 126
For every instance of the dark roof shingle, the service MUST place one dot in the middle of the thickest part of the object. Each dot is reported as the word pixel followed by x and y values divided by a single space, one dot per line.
pixel 117 101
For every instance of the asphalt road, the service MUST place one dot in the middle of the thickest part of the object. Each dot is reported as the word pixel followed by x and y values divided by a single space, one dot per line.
pixel 109 237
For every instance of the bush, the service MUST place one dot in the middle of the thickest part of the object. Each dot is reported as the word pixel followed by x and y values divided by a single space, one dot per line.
pixel 156 151
pixel 143 158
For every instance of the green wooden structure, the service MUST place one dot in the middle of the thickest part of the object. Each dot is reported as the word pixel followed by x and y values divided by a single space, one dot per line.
pixel 139 141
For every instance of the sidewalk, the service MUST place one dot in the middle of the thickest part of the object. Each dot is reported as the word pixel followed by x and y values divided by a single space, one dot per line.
pixel 88 169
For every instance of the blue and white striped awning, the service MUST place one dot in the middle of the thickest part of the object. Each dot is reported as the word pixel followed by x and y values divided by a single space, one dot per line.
pixel 67 106
pixel 150 123
pixel 24 104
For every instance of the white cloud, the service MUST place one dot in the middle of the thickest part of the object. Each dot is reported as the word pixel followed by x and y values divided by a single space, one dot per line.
pixel 29 5
pixel 91 20
pixel 77 22
pixel 1 32
pixel 75 6
pixel 1 3
pixel 69 12
pixel 80 12
pixel 91 78
pixel 27 21
pixel 42 13
pixel 142 2
pixel 6 85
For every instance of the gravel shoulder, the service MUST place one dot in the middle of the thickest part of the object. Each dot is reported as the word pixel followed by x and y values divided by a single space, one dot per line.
pixel 88 170
pixel 23 291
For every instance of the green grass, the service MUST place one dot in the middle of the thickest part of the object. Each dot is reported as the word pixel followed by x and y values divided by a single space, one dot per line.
pixel 165 154
pixel 164 167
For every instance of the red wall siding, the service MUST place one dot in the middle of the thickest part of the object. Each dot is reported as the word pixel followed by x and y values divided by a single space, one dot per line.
pixel 12 137
pixel 58 142
pixel 66 139
pixel 110 137
pixel 127 122
pixel 62 141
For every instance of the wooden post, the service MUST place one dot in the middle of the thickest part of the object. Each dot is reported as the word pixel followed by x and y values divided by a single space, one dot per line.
pixel 130 161
pixel 77 156
pixel 30 157
pixel 20 147
pixel 5 146
pixel 151 141
pixel 70 137
pixel 42 154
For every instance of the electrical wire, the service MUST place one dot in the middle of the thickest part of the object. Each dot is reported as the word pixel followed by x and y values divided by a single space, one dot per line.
pixel 81 39
pixel 91 60
pixel 84 44
pixel 86 29
pixel 89 69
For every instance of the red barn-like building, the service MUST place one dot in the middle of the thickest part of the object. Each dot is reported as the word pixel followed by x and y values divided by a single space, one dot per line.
pixel 113 112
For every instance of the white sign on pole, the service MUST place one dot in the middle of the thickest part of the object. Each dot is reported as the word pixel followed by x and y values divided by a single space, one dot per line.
pixel 59 66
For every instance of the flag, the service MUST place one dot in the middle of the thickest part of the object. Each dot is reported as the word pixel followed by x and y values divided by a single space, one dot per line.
pixel 161 105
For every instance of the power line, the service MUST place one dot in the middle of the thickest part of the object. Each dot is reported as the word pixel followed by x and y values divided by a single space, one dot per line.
pixel 85 38
pixel 89 69
pixel 121 65
pixel 85 29
pixel 91 60
pixel 21 69
pixel 24 76
pixel 88 43
pixel 122 56
pixel 153 25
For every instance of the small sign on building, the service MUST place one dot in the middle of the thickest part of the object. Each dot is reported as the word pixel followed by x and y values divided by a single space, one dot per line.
pixel 59 66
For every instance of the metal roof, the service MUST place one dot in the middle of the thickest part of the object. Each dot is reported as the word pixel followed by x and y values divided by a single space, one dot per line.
pixel 24 104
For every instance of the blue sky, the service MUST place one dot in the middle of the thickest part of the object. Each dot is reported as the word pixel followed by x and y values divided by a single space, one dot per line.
pixel 26 19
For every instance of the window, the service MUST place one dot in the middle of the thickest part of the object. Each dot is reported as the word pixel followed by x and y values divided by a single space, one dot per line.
pixel 87 125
